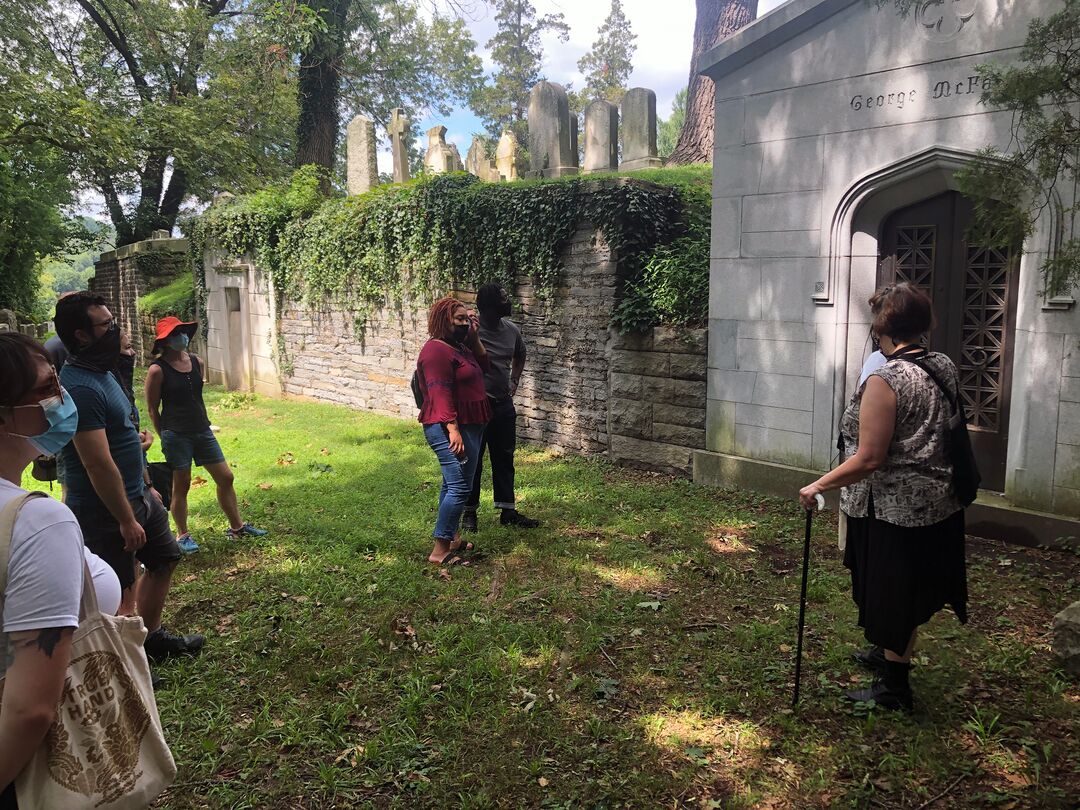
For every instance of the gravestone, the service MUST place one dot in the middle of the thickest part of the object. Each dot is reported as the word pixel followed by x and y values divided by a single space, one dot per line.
pixel 399 130
pixel 552 151
pixel 601 137
pixel 506 156
pixel 639 130
pixel 441 157
pixel 574 154
pixel 362 170
pixel 478 163
pixel 8 321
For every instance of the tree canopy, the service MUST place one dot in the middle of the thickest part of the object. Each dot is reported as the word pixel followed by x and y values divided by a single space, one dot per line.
pixel 516 50
pixel 608 64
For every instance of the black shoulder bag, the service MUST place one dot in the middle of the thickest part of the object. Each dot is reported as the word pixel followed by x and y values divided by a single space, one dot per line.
pixel 965 477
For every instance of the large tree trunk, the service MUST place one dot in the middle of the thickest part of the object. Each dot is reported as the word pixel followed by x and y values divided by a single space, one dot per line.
pixel 716 20
pixel 319 86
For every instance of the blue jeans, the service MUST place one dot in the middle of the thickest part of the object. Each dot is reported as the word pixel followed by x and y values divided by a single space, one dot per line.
pixel 457 475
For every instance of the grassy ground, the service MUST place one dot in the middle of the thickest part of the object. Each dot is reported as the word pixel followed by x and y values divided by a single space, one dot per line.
pixel 637 652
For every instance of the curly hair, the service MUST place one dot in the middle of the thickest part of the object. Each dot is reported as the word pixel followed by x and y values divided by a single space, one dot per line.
pixel 440 322
pixel 19 359
pixel 902 311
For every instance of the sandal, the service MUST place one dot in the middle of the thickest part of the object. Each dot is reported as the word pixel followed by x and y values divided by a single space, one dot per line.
pixel 452 558
pixel 462 545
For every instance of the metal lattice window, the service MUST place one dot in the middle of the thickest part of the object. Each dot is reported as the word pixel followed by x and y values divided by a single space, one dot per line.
pixel 985 316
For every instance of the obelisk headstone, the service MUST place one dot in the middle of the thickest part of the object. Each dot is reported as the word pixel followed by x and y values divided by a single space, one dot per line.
pixel 399 131
pixel 362 171
pixel 639 130
pixel 551 152
pixel 601 137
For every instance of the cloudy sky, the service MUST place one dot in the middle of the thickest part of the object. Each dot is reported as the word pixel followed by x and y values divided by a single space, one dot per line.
pixel 665 35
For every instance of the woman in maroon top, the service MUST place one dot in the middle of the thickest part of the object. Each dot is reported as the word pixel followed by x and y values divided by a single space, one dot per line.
pixel 450 371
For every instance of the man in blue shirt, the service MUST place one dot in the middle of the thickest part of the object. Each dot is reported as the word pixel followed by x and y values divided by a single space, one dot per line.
pixel 121 519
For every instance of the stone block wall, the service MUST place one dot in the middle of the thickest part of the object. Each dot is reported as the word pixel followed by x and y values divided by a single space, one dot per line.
pixel 122 275
pixel 638 399
pixel 656 410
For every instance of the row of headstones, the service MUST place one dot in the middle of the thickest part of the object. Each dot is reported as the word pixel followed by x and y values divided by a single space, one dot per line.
pixel 553 142
pixel 10 323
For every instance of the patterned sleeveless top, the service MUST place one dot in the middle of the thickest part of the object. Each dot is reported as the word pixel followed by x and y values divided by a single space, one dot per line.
pixel 914 485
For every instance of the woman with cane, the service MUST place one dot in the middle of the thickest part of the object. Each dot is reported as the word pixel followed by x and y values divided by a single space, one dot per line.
pixel 905 524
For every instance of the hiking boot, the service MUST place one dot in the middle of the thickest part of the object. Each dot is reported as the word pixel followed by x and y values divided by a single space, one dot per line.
pixel 512 517
pixel 890 692
pixel 468 521
pixel 873 658
pixel 247 530
pixel 187 543
pixel 162 644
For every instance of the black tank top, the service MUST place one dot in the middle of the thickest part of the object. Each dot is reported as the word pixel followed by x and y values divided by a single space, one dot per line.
pixel 182 407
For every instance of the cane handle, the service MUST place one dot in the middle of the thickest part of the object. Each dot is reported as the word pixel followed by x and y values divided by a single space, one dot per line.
pixel 820 501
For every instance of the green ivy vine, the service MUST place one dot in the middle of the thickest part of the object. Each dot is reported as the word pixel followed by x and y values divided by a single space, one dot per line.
pixel 413 241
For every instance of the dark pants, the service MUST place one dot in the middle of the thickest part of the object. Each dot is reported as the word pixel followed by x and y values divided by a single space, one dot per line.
pixel 500 441
pixel 7 798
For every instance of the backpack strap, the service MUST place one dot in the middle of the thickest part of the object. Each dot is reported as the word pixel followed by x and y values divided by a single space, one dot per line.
pixel 7 529
pixel 953 399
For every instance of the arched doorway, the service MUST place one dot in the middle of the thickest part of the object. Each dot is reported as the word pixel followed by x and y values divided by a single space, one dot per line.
pixel 974 289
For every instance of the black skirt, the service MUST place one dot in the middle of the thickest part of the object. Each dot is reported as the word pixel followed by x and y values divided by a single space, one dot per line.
pixel 902 575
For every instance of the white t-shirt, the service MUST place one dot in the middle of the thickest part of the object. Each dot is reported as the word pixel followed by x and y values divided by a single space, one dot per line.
pixel 875 361
pixel 45 570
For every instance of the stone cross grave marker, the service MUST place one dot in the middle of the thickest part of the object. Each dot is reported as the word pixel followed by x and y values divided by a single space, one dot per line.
pixel 399 129
pixel 441 157
pixel 362 170
pixel 601 137
pixel 552 151
pixel 639 130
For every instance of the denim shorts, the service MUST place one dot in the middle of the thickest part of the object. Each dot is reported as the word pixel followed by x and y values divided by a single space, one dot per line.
pixel 181 448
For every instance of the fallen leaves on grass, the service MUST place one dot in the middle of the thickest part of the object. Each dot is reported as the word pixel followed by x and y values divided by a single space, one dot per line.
pixel 198 481
pixel 266 486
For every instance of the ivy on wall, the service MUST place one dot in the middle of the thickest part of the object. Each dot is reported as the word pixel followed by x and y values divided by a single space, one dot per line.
pixel 419 239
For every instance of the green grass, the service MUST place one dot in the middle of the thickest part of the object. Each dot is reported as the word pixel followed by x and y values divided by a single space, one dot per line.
pixel 635 652
pixel 175 298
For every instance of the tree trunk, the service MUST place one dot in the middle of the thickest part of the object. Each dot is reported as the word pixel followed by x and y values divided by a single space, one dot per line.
pixel 319 87
pixel 716 21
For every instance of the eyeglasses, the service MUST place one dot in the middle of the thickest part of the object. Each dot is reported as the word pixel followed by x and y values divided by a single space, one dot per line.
pixel 109 324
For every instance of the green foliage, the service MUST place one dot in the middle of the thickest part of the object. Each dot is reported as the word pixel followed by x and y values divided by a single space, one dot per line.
pixel 33 184
pixel 667 131
pixel 175 298
pixel 518 54
pixel 608 64
pixel 416 240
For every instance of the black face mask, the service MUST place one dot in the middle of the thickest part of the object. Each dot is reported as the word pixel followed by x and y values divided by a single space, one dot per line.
pixel 461 332
pixel 125 370
pixel 103 353
pixel 875 344
pixel 505 309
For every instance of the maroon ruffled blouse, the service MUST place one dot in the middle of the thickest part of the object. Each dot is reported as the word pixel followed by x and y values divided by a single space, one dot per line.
pixel 452 379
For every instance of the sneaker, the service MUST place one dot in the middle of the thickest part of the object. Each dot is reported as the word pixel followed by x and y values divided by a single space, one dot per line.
pixel 247 530
pixel 187 543
pixel 512 517
pixel 162 644
pixel 468 521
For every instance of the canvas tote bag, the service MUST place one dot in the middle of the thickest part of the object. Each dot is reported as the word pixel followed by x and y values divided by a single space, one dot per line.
pixel 106 748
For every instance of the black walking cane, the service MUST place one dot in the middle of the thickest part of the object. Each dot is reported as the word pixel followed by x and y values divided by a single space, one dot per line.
pixel 802 597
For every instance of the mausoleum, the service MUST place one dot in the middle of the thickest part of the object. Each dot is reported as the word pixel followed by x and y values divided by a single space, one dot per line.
pixel 839 131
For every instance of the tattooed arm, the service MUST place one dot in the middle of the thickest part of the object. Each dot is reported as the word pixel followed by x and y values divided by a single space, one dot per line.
pixel 37 668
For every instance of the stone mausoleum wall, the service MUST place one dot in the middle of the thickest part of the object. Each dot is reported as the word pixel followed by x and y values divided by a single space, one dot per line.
pixel 638 399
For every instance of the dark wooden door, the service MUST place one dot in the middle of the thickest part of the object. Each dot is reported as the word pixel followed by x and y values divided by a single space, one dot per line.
pixel 974 288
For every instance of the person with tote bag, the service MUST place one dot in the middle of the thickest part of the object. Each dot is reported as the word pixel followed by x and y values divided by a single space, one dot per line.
pixel 79 726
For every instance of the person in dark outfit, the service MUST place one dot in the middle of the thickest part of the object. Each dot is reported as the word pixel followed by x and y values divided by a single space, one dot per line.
pixel 450 372
pixel 905 525
pixel 121 518
pixel 506 348
pixel 174 401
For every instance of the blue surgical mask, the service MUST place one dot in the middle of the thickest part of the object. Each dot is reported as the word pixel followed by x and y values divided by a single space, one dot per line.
pixel 63 418
pixel 178 342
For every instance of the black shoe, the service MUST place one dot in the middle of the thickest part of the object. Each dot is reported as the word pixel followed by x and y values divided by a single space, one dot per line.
pixel 468 521
pixel 162 644
pixel 512 517
pixel 873 658
pixel 883 696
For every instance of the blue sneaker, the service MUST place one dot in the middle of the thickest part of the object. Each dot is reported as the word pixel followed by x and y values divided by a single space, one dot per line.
pixel 247 530
pixel 187 543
